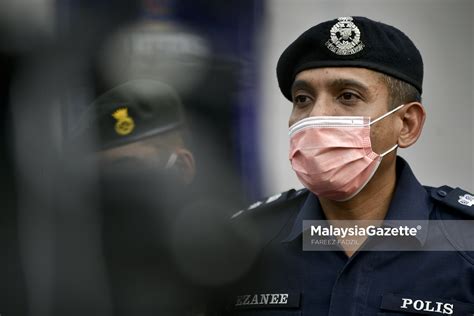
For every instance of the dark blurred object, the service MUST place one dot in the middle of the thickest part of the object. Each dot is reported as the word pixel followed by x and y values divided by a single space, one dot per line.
pixel 13 294
pixel 56 209
pixel 50 214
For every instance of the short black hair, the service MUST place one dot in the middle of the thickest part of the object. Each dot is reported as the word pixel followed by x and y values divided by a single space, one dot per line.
pixel 399 91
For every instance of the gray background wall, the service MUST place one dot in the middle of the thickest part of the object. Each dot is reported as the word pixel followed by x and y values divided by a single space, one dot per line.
pixel 443 32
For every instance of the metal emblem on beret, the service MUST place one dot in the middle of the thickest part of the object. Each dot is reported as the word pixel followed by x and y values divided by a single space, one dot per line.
pixel 345 37
pixel 125 123
pixel 466 199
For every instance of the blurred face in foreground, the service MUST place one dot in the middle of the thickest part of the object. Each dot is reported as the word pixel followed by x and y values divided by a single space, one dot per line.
pixel 161 153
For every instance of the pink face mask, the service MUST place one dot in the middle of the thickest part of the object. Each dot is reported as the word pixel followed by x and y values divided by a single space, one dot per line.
pixel 332 155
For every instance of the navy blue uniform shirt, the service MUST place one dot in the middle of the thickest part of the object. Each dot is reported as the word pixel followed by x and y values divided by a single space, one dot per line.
pixel 286 280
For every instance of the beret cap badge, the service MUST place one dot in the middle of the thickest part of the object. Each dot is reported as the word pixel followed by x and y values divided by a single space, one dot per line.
pixel 345 38
pixel 125 123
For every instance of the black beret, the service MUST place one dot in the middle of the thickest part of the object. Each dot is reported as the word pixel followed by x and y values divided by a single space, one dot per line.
pixel 130 112
pixel 351 42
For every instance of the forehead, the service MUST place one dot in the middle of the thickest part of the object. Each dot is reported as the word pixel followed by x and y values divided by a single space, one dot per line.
pixel 320 76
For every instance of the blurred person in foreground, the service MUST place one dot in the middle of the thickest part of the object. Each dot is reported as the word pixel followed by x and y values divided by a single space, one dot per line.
pixel 355 86
pixel 140 145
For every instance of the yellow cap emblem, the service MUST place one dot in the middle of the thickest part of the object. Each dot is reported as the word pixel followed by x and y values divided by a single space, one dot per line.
pixel 125 123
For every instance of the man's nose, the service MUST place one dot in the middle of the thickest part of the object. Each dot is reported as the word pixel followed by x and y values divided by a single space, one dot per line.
pixel 323 107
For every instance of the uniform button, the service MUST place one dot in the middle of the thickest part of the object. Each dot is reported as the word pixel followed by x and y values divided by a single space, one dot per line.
pixel 442 193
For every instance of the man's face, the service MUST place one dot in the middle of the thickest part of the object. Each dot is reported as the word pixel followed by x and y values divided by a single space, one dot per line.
pixel 345 92
pixel 161 153
pixel 139 153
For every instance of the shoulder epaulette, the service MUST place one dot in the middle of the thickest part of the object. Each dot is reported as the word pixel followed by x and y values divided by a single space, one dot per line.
pixel 271 201
pixel 456 198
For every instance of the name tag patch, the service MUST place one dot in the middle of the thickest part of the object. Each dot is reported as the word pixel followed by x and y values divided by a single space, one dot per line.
pixel 423 306
pixel 268 300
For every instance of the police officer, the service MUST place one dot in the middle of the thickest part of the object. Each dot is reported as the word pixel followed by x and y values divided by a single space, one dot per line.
pixel 356 86
pixel 136 136
pixel 140 122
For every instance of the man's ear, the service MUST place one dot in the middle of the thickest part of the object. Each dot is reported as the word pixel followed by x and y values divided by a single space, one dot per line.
pixel 413 119
pixel 185 165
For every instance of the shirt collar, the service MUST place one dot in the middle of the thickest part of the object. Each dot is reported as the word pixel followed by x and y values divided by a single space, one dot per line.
pixel 311 210
pixel 410 202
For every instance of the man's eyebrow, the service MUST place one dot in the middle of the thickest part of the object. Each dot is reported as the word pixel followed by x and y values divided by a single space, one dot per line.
pixel 334 84
pixel 343 83
pixel 301 84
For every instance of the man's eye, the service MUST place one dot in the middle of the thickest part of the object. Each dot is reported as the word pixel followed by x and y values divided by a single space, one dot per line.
pixel 349 97
pixel 301 99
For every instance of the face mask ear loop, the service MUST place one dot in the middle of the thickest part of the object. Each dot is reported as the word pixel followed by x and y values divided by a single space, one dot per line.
pixel 171 161
pixel 387 114
pixel 388 151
